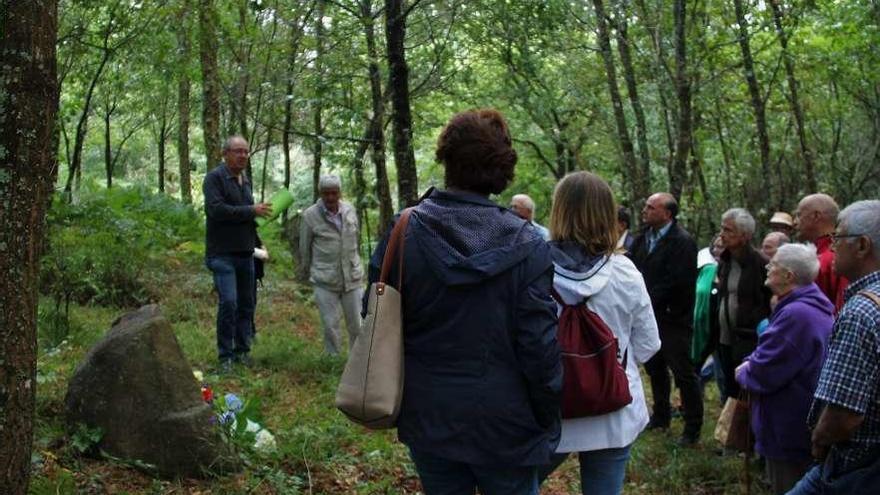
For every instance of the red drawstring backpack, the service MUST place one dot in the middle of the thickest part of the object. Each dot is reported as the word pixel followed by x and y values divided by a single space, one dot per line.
pixel 594 381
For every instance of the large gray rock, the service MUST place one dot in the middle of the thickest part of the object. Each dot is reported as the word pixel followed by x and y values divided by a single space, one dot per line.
pixel 137 386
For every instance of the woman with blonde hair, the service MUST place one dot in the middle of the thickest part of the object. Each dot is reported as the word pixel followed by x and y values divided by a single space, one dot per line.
pixel 590 269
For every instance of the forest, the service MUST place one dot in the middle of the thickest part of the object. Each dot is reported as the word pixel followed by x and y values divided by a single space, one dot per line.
pixel 114 111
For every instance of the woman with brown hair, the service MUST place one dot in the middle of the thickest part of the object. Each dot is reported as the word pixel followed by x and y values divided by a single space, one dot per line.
pixel 482 371
pixel 590 269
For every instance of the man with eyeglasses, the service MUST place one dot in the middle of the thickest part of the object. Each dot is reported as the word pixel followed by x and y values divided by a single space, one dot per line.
pixel 230 239
pixel 845 415
pixel 814 221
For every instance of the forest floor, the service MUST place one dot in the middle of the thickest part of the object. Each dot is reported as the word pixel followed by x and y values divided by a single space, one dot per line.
pixel 319 451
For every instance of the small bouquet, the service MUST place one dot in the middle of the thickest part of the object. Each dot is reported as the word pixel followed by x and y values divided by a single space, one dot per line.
pixel 238 419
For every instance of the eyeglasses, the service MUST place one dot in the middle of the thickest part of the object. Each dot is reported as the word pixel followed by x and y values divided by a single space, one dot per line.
pixel 837 237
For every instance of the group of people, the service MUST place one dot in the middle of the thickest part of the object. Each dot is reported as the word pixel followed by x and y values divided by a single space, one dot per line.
pixel 795 327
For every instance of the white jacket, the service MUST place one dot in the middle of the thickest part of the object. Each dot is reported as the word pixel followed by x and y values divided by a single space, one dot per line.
pixel 617 293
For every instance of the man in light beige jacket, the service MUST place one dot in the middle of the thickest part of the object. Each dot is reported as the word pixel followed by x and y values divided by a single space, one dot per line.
pixel 329 252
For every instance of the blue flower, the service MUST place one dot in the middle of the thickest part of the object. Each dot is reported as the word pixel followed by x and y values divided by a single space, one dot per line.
pixel 233 403
pixel 227 417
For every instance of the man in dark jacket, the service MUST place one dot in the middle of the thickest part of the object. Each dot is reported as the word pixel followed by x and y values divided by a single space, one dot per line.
pixel 666 254
pixel 743 299
pixel 483 374
pixel 230 238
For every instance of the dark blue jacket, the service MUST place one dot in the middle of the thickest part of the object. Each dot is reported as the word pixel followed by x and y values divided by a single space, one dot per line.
pixel 229 214
pixel 482 368
pixel 783 371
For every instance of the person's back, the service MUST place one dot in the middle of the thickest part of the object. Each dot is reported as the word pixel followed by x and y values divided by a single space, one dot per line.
pixel 476 290
pixel 614 289
pixel 480 405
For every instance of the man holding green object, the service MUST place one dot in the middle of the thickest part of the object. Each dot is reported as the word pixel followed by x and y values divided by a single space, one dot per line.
pixel 230 239
pixel 329 254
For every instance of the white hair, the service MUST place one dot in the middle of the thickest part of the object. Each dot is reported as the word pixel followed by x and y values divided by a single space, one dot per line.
pixel 744 220
pixel 525 201
pixel 863 218
pixel 800 260
pixel 329 182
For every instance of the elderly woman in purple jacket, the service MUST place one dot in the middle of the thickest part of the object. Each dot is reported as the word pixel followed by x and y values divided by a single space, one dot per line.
pixel 781 374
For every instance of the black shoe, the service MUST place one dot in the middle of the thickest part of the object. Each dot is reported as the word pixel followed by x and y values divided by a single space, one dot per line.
pixel 244 360
pixel 688 440
pixel 654 424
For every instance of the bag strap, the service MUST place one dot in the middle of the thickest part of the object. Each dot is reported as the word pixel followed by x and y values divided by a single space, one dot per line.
pixel 395 244
pixel 870 295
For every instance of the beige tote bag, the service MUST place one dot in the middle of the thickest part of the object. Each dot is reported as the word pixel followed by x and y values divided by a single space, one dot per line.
pixel 371 386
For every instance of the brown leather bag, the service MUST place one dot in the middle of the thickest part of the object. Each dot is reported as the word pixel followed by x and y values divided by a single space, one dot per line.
pixel 733 430
pixel 371 387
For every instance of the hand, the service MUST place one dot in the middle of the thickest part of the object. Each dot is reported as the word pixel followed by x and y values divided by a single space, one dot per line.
pixel 263 209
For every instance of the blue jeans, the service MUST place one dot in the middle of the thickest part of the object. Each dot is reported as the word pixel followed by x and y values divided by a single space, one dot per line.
pixel 444 477
pixel 602 471
pixel 860 481
pixel 234 281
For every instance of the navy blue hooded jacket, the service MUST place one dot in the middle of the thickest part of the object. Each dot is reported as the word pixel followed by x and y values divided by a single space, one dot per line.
pixel 482 368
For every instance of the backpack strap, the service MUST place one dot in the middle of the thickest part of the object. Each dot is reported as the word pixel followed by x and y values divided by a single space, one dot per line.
pixel 870 295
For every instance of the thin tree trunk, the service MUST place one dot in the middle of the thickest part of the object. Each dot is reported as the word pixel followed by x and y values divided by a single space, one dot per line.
pixel 630 167
pixel 642 173
pixel 398 74
pixel 108 150
pixel 210 81
pixel 163 136
pixel 79 138
pixel 29 98
pixel 756 99
pixel 725 155
pixel 183 100
pixel 317 105
pixel 377 122
pixel 794 99
pixel 683 93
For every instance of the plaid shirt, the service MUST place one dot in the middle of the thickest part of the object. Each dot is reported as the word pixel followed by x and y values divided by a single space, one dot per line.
pixel 850 377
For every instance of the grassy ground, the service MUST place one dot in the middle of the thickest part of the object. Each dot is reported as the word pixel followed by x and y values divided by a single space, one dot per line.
pixel 319 451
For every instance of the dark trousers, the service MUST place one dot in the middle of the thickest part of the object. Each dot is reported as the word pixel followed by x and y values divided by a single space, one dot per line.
pixel 728 366
pixel 234 281
pixel 441 476
pixel 674 355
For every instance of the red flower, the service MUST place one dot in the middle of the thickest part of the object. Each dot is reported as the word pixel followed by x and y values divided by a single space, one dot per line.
pixel 207 394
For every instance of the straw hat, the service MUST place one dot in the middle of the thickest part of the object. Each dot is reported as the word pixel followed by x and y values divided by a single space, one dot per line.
pixel 782 218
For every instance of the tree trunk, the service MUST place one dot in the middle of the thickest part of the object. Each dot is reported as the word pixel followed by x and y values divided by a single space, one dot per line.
pixel 317 105
pixel 683 93
pixel 626 147
pixel 29 98
pixel 163 136
pixel 210 81
pixel 757 101
pixel 108 149
pixel 79 138
pixel 642 173
pixel 398 74
pixel 183 99
pixel 377 122
pixel 794 99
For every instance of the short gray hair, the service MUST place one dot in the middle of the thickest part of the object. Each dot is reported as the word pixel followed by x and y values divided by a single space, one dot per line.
pixel 863 218
pixel 329 182
pixel 744 220
pixel 800 260
pixel 228 143
pixel 527 202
